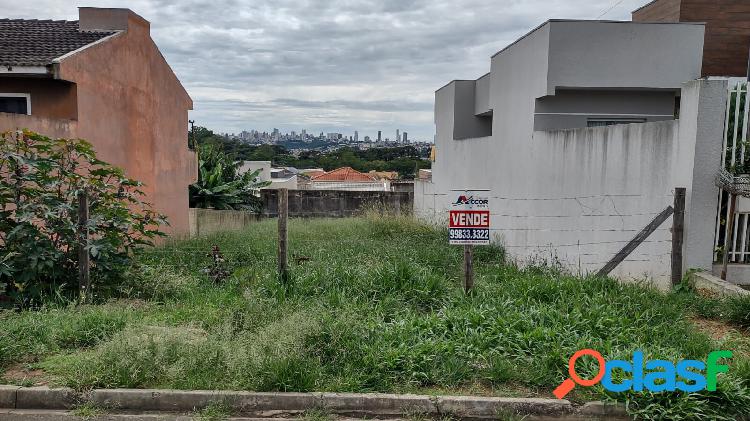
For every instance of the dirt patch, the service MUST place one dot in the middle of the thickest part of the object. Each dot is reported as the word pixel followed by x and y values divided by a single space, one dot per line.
pixel 22 374
pixel 715 329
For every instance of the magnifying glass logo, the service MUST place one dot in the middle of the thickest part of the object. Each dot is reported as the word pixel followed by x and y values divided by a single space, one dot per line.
pixel 566 386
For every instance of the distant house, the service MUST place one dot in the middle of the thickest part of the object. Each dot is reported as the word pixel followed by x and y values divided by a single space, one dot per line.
pixel 280 178
pixel 384 175
pixel 347 178
pixel 102 78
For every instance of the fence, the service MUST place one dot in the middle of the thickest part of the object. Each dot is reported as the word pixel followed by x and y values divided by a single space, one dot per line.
pixel 736 160
pixel 336 203
pixel 583 233
pixel 209 221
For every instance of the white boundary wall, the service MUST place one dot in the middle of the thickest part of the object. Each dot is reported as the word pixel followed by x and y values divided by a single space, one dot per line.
pixel 578 196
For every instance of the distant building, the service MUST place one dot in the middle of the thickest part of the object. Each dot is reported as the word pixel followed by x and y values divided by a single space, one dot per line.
pixel 347 178
pixel 279 177
pixel 383 175
pixel 380 136
pixel 406 137
pixel 398 136
pixel 356 136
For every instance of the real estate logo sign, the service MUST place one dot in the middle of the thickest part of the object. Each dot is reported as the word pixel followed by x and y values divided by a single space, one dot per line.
pixel 469 218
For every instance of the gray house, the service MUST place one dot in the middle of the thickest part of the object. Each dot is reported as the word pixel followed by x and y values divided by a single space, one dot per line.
pixel 575 132
pixel 578 74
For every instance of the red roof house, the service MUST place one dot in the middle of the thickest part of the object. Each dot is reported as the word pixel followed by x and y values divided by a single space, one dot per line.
pixel 347 178
pixel 346 174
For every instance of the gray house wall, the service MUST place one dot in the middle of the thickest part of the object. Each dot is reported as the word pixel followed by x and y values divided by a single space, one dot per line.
pixel 595 54
pixel 601 68
pixel 571 108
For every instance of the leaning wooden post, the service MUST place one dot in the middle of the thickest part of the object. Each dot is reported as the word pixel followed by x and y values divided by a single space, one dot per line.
pixel 730 233
pixel 84 280
pixel 468 267
pixel 283 210
pixel 678 229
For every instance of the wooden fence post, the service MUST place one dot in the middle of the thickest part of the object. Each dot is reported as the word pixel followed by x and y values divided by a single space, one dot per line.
pixel 728 243
pixel 84 281
pixel 636 241
pixel 283 210
pixel 678 228
pixel 468 267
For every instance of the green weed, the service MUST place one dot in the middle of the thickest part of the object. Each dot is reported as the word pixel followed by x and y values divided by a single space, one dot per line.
pixel 375 306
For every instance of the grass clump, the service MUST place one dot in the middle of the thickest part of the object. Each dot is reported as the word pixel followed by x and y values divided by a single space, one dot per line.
pixel 214 411
pixel 375 305
pixel 88 410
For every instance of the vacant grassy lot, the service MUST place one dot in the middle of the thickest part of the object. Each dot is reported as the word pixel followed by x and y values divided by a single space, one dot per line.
pixel 372 304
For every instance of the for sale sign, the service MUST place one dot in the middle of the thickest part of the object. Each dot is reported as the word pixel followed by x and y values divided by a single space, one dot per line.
pixel 469 218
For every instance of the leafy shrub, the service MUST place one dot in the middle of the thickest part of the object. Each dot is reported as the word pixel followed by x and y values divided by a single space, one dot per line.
pixel 40 181
pixel 220 185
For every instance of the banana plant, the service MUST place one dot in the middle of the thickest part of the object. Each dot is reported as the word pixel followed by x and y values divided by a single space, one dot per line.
pixel 220 186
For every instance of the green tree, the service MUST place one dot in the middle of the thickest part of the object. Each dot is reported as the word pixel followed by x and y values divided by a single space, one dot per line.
pixel 220 185
pixel 40 181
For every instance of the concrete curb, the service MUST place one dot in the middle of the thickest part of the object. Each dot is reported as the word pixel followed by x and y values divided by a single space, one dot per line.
pixel 705 280
pixel 8 396
pixel 46 398
pixel 276 404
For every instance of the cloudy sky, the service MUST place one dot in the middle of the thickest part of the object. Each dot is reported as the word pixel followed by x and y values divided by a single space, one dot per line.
pixel 328 65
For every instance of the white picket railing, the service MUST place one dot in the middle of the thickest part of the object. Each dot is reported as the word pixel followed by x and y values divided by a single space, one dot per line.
pixel 733 156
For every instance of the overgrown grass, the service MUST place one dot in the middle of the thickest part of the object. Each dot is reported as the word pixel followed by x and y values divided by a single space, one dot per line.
pixel 375 304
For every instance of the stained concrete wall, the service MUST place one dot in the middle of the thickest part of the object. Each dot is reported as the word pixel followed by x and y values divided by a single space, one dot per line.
pixel 51 127
pixel 134 110
pixel 128 103
pixel 210 221
pixel 337 203
pixel 577 196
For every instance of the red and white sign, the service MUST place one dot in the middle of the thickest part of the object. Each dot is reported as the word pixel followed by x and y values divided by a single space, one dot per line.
pixel 469 219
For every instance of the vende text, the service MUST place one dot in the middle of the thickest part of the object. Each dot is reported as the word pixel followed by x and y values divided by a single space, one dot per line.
pixel 469 219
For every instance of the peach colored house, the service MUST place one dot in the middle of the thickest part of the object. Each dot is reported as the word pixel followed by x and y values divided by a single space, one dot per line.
pixel 103 79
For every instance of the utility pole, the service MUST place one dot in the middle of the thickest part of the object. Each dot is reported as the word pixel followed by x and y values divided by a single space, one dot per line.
pixel 192 144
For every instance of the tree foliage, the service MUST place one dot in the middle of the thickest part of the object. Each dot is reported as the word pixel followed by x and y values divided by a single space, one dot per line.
pixel 220 185
pixel 40 180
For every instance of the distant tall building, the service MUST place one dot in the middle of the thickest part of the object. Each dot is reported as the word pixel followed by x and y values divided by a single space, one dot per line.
pixel 406 137
pixel 356 136
pixel 380 136
pixel 398 136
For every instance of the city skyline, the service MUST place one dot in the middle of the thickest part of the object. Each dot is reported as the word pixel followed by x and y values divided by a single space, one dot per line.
pixel 276 135
pixel 329 66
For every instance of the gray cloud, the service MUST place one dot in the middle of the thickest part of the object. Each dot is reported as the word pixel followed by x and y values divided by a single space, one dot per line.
pixel 328 65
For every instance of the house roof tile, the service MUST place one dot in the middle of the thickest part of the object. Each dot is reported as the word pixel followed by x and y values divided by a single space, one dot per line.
pixel 31 42
pixel 344 174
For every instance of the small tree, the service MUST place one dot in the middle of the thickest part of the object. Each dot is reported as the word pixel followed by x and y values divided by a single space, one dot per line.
pixel 40 180
pixel 220 185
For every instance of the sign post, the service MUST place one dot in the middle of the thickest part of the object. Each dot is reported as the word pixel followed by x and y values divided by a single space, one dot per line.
pixel 469 225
